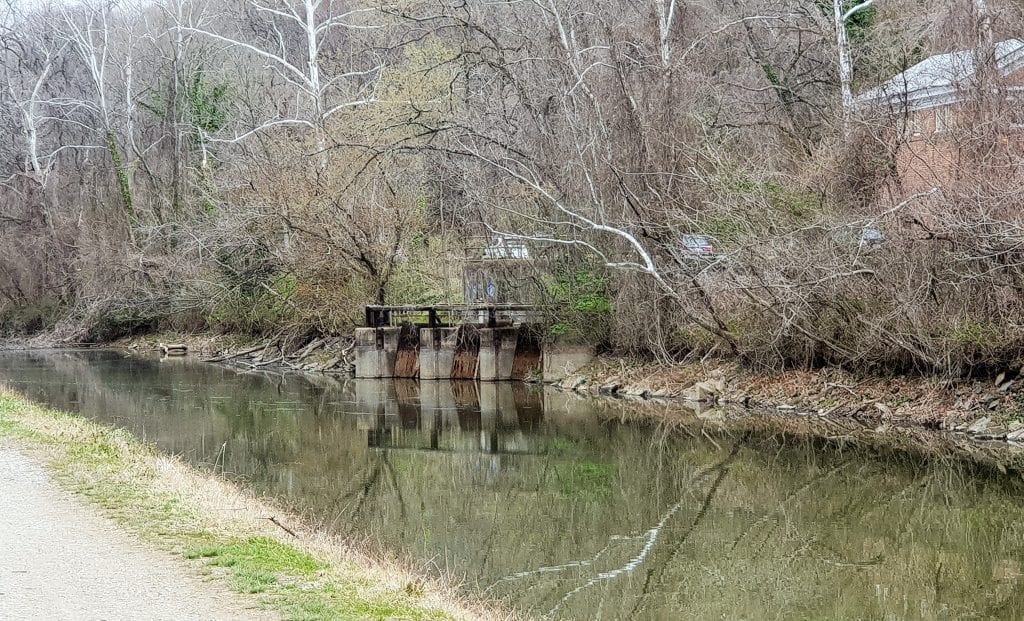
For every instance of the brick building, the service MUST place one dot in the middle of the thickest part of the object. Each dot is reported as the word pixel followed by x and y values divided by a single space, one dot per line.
pixel 931 102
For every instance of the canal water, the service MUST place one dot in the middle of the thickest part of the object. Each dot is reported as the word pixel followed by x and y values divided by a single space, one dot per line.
pixel 564 509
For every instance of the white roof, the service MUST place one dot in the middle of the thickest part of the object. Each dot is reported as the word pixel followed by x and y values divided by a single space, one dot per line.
pixel 502 248
pixel 937 80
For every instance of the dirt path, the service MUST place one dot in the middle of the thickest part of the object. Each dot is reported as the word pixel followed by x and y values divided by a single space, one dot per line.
pixel 58 560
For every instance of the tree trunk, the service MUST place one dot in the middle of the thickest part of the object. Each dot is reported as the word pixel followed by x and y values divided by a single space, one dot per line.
pixel 845 64
pixel 121 172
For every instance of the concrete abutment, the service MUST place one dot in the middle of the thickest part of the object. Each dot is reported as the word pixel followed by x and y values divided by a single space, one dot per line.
pixel 489 354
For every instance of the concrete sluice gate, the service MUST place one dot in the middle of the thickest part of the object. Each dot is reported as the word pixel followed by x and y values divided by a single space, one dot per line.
pixel 486 354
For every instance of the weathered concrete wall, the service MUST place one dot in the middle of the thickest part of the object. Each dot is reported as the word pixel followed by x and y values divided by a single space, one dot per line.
pixel 437 352
pixel 529 354
pixel 563 360
pixel 497 353
pixel 407 358
pixel 367 361
pixel 467 352
pixel 376 351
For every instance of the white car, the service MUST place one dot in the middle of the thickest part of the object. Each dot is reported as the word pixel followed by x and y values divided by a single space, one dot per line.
pixel 697 246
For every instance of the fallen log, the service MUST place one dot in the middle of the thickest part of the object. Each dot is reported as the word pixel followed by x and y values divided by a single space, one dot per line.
pixel 236 354
pixel 264 363
pixel 330 364
pixel 308 349
pixel 173 349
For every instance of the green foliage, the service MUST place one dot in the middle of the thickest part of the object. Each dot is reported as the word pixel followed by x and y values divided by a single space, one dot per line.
pixel 422 278
pixel 559 328
pixel 420 238
pixel 122 175
pixel 969 331
pixel 797 203
pixel 206 104
pixel 860 23
pixel 726 228
pixel 780 199
pixel 29 317
pixel 257 562
pixel 582 304
pixel 421 77
pixel 579 303
pixel 256 309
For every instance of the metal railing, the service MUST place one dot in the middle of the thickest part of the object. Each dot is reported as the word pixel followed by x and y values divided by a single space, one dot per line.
pixel 444 315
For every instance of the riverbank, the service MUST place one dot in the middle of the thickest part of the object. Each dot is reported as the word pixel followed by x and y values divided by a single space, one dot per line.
pixel 221 532
pixel 986 409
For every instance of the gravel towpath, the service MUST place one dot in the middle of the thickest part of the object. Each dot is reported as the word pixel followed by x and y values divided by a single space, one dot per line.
pixel 59 560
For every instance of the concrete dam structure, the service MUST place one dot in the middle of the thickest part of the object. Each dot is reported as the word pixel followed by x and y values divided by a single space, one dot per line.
pixel 486 343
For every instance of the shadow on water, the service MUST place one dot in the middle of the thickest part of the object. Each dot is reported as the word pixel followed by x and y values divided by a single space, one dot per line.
pixel 557 505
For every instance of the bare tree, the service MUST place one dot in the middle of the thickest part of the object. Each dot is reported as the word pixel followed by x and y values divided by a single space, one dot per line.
pixel 294 47
pixel 90 30
pixel 841 16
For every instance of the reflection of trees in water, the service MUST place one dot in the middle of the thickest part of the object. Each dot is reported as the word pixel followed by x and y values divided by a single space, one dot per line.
pixel 655 575
pixel 794 533
pixel 648 541
pixel 794 529
pixel 371 482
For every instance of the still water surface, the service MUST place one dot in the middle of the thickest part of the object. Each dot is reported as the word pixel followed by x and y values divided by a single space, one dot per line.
pixel 552 503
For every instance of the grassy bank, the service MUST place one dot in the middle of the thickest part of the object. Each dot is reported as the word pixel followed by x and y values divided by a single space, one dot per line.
pixel 219 529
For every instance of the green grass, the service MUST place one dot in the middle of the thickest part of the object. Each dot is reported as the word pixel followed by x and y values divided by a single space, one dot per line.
pixel 121 477
pixel 586 479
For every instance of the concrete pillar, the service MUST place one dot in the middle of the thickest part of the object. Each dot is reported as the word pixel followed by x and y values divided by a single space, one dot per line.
pixel 563 360
pixel 497 353
pixel 437 352
pixel 367 360
pixel 376 351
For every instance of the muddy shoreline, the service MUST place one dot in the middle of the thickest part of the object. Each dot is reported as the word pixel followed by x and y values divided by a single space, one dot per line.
pixel 974 410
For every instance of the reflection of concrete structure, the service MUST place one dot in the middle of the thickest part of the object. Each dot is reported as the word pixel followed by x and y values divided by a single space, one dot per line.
pixel 497 353
pixel 449 416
